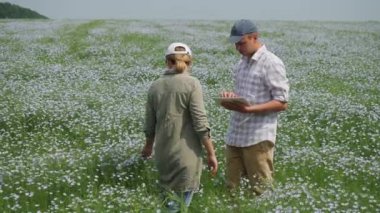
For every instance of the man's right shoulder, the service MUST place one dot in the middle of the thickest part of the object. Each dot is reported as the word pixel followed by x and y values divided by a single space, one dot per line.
pixel 271 58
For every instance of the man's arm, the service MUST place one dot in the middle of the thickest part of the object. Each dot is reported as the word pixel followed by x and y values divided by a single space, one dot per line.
pixel 270 106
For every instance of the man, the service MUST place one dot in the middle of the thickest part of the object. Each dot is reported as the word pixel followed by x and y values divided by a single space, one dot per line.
pixel 260 78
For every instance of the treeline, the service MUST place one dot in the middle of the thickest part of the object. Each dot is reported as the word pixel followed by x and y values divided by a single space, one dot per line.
pixel 8 10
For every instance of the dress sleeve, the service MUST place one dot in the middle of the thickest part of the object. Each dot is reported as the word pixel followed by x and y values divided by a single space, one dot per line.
pixel 150 117
pixel 198 113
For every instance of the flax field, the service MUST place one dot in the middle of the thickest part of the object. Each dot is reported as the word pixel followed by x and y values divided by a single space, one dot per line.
pixel 72 101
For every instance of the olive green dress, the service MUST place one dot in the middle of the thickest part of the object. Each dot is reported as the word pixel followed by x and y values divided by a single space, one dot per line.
pixel 176 118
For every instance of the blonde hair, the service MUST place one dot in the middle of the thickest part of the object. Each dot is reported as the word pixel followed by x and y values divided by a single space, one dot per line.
pixel 181 62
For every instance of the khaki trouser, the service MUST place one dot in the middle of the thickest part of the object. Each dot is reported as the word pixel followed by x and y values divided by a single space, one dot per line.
pixel 255 162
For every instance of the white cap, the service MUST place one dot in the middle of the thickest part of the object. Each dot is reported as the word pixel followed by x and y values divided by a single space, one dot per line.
pixel 171 49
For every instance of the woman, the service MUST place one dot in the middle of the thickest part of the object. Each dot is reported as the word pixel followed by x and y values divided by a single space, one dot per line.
pixel 176 123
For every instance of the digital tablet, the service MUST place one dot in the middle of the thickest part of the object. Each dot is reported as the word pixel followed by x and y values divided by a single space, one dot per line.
pixel 236 100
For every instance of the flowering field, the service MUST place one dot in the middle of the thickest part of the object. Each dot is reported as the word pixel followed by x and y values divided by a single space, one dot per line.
pixel 72 97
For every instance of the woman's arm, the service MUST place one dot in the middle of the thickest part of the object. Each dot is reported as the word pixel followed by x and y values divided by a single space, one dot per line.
pixel 212 162
pixel 148 148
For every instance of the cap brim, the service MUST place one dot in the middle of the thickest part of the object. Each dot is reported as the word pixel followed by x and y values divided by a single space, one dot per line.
pixel 235 39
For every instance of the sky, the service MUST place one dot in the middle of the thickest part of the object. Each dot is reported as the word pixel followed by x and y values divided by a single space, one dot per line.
pixel 298 10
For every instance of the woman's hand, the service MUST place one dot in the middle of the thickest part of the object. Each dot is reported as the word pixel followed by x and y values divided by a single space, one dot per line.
pixel 212 163
pixel 148 148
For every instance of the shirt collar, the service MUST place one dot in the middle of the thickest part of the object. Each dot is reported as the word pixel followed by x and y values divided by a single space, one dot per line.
pixel 257 54
pixel 170 72
pixel 173 72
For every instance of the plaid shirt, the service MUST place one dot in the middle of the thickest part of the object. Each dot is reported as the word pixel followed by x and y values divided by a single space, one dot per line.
pixel 259 79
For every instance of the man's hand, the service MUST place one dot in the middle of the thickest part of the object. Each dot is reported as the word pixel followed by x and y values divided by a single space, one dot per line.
pixel 228 95
pixel 270 106
pixel 239 107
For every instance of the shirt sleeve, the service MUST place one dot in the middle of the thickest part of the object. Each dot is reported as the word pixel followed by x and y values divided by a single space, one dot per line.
pixel 198 113
pixel 277 81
